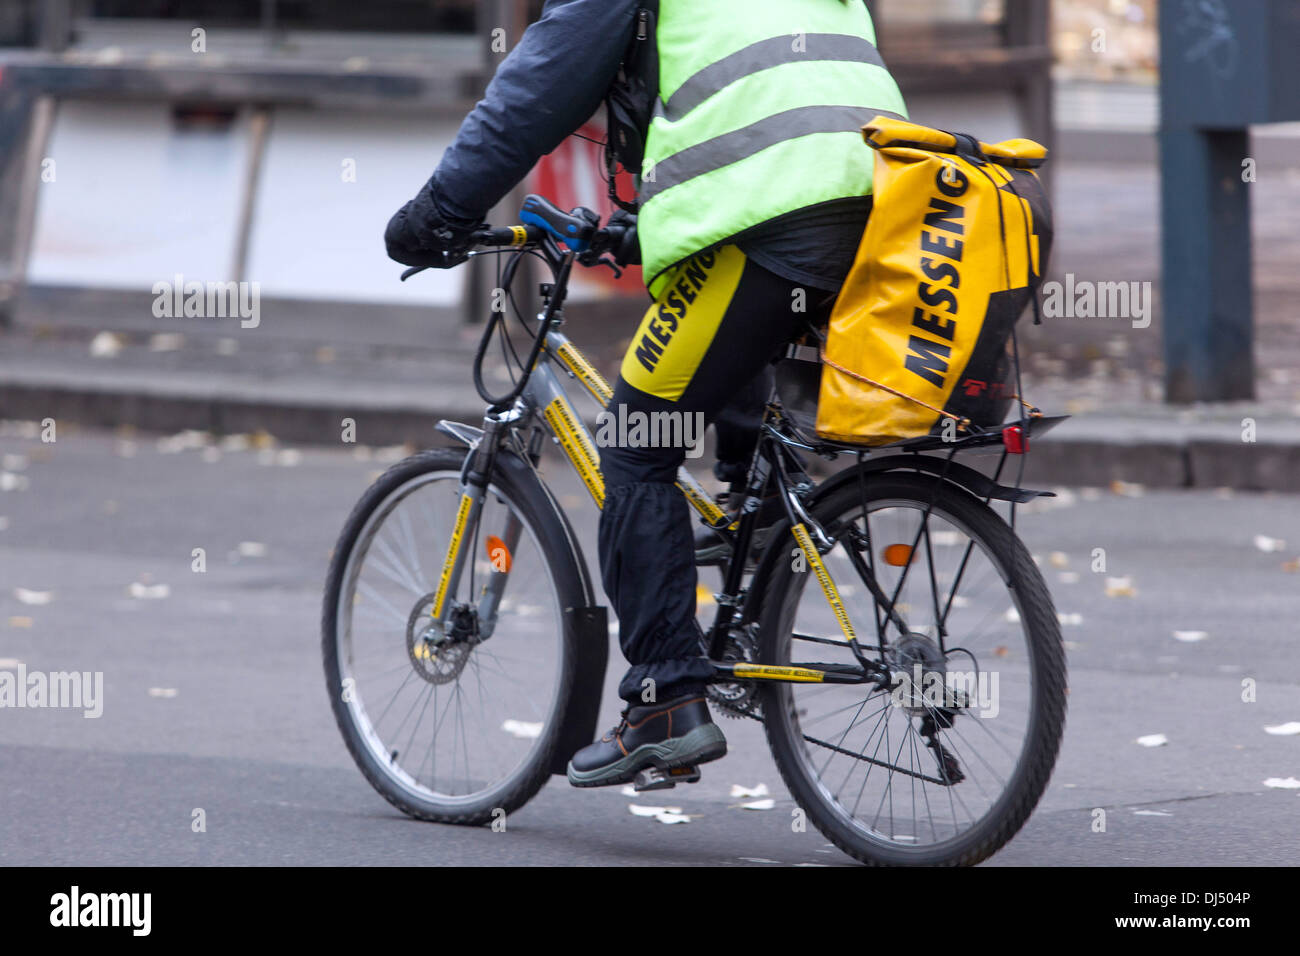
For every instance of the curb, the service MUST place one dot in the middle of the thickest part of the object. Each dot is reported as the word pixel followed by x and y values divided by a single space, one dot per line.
pixel 1193 460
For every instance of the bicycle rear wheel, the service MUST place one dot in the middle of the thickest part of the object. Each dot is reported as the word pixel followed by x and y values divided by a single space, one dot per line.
pixel 944 765
pixel 450 728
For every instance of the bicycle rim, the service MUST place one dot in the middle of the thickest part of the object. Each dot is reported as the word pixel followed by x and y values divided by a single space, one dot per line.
pixel 879 762
pixel 448 729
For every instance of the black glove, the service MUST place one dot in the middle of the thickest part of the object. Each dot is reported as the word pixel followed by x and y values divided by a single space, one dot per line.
pixel 419 234
pixel 628 250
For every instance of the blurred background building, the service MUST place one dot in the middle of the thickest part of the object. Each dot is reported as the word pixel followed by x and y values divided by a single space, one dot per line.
pixel 270 140
pixel 210 137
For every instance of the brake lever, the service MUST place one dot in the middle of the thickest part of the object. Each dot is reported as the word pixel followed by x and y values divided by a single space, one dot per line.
pixel 613 266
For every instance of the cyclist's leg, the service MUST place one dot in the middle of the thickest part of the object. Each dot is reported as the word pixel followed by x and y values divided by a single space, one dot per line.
pixel 711 333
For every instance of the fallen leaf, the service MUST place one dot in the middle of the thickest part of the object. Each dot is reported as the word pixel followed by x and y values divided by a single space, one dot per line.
pixel 1128 489
pixel 524 730
pixel 11 482
pixel 252 549
pixel 163 692
pixel 166 342
pixel 1120 587
pixel 1068 577
pixel 1073 619
pixel 20 621
pixel 737 790
pixel 148 592
pixel 1190 637
pixel 1289 729
pixel 106 345
pixel 1153 740
pixel 1151 813
pixel 1267 544
pixel 1277 783
pixel 668 815
pixel 33 597
pixel 767 804
pixel 1058 559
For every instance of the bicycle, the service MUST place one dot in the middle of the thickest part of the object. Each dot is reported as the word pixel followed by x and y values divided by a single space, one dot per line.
pixel 926 740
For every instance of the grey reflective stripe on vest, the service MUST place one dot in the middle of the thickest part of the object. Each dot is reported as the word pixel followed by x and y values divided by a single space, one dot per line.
pixel 774 51
pixel 737 145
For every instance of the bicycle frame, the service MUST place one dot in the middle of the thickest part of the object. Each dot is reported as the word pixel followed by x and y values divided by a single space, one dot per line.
pixel 541 399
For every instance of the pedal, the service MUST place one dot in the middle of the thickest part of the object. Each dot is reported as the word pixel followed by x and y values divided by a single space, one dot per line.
pixel 652 778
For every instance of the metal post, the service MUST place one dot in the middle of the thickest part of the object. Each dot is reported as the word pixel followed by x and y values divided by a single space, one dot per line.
pixel 1208 303
pixel 56 25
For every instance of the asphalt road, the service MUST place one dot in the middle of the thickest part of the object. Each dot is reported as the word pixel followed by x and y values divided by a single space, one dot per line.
pixel 214 698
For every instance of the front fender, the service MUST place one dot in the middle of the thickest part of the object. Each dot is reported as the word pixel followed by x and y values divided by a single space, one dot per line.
pixel 587 623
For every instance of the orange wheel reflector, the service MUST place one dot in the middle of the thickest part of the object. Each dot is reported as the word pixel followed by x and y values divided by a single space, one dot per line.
pixel 498 554
pixel 898 555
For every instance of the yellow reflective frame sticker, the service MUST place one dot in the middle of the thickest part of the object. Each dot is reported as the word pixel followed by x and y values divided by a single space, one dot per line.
pixel 453 549
pixel 824 579
pixel 518 235
pixel 800 675
pixel 699 499
pixel 586 373
pixel 577 446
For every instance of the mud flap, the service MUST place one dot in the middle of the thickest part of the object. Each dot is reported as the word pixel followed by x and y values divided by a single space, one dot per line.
pixel 578 723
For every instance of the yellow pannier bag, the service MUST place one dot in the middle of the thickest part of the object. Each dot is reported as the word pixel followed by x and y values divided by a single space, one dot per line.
pixel 922 330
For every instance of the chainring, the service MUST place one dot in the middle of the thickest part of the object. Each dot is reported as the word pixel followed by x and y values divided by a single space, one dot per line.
pixel 738 698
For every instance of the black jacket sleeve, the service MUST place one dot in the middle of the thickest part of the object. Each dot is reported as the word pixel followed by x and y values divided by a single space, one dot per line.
pixel 550 84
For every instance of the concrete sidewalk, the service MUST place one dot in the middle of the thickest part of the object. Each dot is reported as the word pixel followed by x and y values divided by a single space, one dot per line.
pixel 302 396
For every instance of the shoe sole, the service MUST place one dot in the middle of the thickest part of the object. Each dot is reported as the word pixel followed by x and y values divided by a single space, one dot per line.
pixel 700 745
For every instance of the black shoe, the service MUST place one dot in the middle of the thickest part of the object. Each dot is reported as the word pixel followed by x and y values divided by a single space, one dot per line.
pixel 675 733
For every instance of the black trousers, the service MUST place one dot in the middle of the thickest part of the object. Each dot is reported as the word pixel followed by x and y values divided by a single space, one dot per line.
pixel 702 350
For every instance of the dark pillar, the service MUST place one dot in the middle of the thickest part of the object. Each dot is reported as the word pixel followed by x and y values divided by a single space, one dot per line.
pixel 1208 303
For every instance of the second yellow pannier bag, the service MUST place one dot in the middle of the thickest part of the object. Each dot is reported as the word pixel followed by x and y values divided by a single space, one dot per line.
pixel 953 251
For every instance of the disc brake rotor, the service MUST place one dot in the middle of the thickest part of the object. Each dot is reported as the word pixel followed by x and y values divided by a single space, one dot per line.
pixel 436 656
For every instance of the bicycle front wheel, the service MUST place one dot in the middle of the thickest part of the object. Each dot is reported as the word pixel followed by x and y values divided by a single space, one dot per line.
pixel 454 727
pixel 945 764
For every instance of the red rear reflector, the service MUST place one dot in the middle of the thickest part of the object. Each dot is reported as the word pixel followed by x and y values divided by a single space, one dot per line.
pixel 1014 437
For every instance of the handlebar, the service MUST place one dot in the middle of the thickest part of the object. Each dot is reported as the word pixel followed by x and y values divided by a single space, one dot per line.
pixel 579 230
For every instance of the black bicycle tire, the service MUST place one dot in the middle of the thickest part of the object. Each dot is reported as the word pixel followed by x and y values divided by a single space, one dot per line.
pixel 554 544
pixel 1047 652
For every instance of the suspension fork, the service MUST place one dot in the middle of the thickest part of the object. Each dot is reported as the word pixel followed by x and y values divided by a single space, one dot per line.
pixel 474 483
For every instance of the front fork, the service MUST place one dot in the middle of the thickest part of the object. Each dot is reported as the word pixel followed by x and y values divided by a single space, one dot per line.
pixel 474 484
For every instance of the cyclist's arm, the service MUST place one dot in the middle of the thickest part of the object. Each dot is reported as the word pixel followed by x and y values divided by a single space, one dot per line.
pixel 551 83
